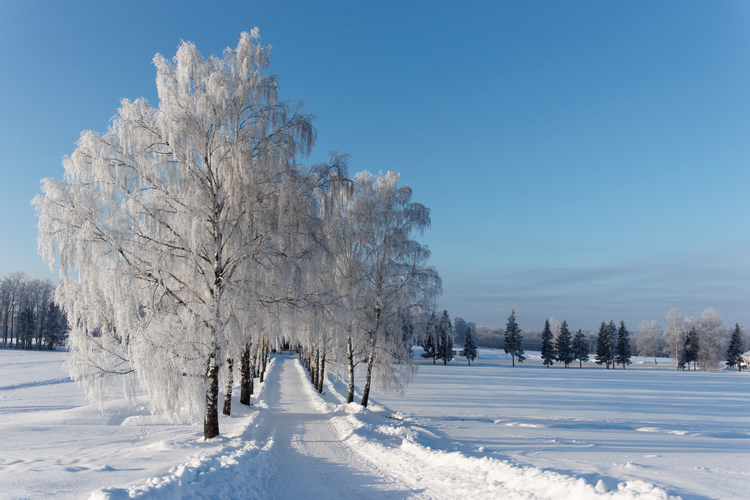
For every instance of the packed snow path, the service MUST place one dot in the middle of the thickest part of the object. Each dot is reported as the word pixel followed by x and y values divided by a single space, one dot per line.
pixel 312 460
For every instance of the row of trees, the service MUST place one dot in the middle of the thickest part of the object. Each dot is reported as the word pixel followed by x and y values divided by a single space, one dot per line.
pixel 563 348
pixel 438 338
pixel 190 241
pixel 29 318
pixel 703 342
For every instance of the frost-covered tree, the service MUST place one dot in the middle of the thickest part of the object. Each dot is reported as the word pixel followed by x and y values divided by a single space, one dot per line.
pixel 563 348
pixel 470 347
pixel 548 350
pixel 554 327
pixel 396 274
pixel 734 351
pixel 676 334
pixel 622 346
pixel 460 328
pixel 514 339
pixel 166 225
pixel 649 339
pixel 407 331
pixel 580 348
pixel 711 339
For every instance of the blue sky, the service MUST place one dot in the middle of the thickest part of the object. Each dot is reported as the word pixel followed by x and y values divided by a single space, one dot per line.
pixel 582 160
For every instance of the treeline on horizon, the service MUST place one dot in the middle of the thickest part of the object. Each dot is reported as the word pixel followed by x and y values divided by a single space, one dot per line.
pixel 700 343
pixel 29 318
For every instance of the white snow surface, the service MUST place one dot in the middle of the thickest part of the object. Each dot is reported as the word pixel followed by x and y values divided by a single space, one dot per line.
pixel 459 432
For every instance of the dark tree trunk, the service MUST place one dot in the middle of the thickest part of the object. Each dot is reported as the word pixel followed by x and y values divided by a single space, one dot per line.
pixel 211 419
pixel 350 365
pixel 247 377
pixel 322 373
pixel 227 410
pixel 264 352
pixel 368 379
pixel 316 368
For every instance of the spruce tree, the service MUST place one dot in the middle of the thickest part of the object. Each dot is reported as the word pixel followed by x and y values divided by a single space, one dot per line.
pixel 548 352
pixel 602 345
pixel 580 348
pixel 445 338
pixel 612 339
pixel 734 352
pixel 429 343
pixel 691 348
pixel 470 347
pixel 623 346
pixel 563 350
pixel 514 339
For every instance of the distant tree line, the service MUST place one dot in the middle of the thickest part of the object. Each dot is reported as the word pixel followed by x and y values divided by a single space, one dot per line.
pixel 29 318
pixel 700 343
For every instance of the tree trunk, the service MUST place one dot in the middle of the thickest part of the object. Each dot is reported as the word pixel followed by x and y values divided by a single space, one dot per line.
pixel 368 379
pixel 322 372
pixel 211 418
pixel 264 352
pixel 227 410
pixel 247 377
pixel 350 364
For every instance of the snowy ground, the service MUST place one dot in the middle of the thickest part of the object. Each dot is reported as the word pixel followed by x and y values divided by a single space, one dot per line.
pixel 486 431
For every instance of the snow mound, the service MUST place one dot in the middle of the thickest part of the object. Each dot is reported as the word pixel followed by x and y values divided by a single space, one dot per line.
pixel 403 450
pixel 239 468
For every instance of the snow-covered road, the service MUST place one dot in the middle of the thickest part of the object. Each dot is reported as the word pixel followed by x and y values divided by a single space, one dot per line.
pixel 311 458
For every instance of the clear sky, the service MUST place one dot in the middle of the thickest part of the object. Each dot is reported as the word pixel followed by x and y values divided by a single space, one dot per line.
pixel 585 160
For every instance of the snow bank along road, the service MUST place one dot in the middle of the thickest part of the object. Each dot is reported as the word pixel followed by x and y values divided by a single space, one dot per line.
pixel 293 444
pixel 301 445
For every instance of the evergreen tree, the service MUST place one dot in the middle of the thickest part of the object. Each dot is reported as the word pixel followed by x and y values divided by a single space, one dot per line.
pixel 429 342
pixel 548 352
pixel 691 348
pixel 612 338
pixel 26 323
pixel 734 352
pixel 470 347
pixel 580 348
pixel 514 339
pixel 623 346
pixel 445 338
pixel 563 350
pixel 602 345
pixel 53 326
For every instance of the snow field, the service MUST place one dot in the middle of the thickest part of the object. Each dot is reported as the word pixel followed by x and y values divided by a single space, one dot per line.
pixel 485 431
pixel 399 448
pixel 686 432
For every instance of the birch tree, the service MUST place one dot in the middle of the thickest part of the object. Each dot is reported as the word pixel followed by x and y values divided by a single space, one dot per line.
pixel 676 333
pixel 711 338
pixel 649 339
pixel 396 275
pixel 163 225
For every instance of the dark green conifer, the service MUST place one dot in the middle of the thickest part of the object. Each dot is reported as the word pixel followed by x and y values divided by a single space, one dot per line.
pixel 514 339
pixel 623 346
pixel 563 349
pixel 580 348
pixel 734 352
pixel 548 351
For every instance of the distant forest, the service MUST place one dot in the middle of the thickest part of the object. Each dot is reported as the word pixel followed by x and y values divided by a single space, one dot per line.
pixel 29 318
